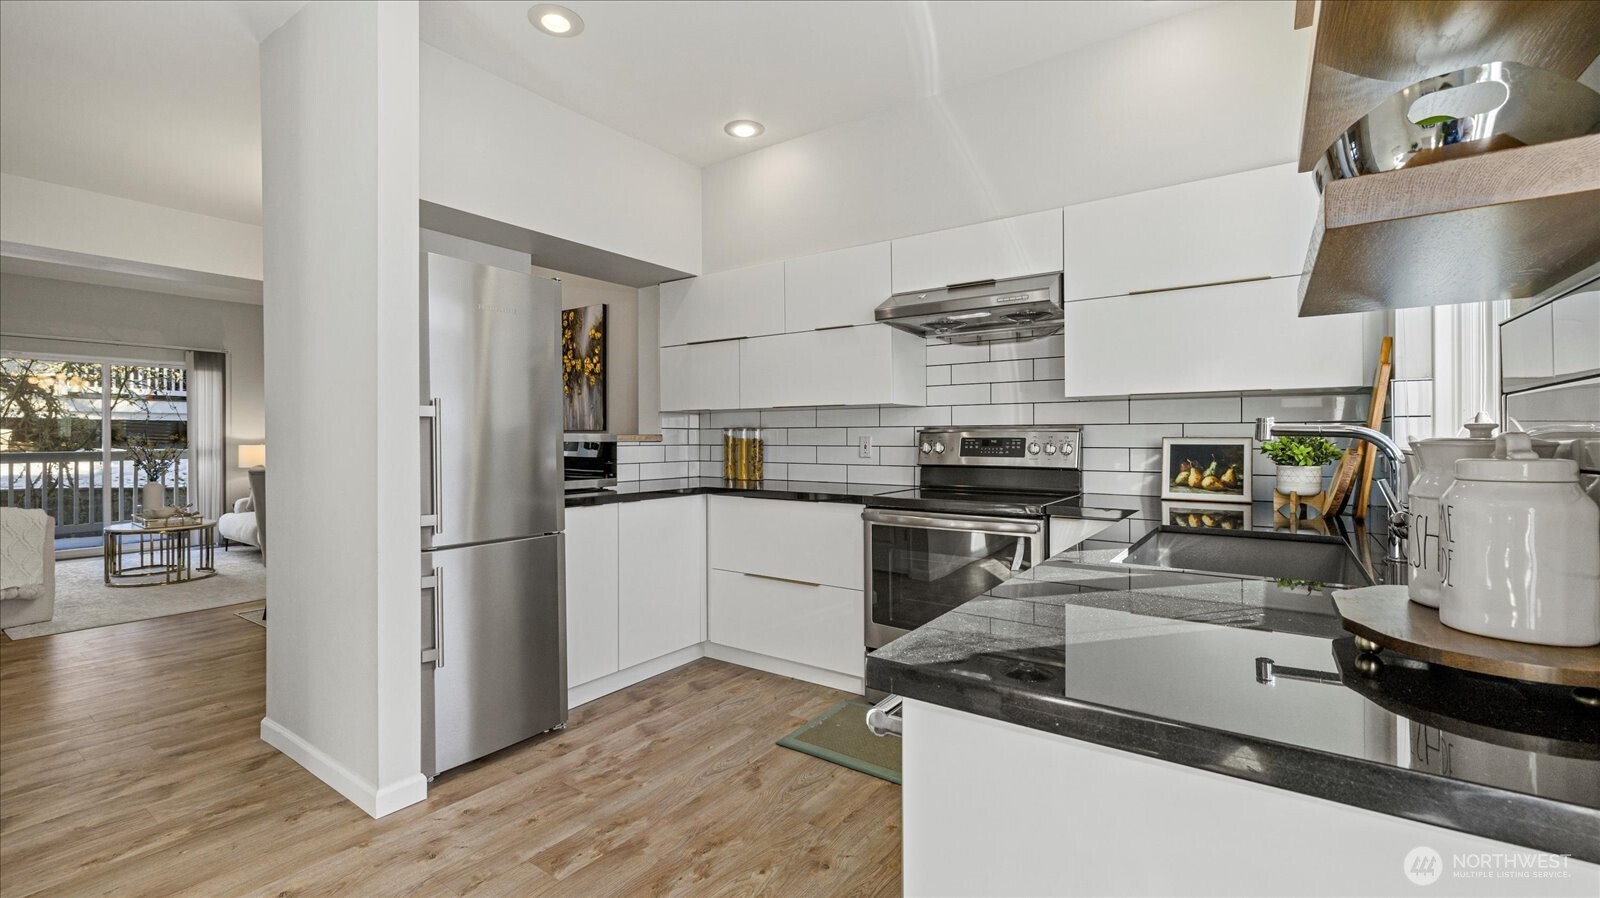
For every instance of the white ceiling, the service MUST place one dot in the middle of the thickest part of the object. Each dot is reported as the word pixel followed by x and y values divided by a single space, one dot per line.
pixel 152 101
pixel 159 101
pixel 673 72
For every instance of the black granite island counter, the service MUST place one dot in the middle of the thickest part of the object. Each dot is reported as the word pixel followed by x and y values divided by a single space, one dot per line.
pixel 1209 680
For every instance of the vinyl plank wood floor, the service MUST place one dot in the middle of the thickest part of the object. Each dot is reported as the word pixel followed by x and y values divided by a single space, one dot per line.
pixel 131 764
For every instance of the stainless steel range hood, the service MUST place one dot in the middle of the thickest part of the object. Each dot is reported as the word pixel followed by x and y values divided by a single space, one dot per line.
pixel 1016 309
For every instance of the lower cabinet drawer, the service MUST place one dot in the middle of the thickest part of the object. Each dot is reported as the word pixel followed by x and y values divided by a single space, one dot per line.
pixel 806 623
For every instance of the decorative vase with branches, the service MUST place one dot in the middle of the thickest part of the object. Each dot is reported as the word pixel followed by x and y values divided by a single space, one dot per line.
pixel 155 461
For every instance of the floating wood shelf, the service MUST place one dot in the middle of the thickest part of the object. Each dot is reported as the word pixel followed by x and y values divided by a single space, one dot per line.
pixel 1367 50
pixel 1514 224
pixel 1510 224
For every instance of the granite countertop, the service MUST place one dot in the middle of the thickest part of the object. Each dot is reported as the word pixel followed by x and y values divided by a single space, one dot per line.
pixel 1167 664
pixel 805 491
pixel 798 490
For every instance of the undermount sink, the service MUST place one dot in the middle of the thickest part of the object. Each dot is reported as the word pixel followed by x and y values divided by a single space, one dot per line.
pixel 1317 559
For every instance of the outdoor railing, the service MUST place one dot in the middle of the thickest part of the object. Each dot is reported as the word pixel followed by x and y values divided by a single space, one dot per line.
pixel 70 486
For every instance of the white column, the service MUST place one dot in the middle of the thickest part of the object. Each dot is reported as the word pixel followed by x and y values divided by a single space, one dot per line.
pixel 339 107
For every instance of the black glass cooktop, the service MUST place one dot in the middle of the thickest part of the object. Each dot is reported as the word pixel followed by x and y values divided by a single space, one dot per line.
pixel 954 500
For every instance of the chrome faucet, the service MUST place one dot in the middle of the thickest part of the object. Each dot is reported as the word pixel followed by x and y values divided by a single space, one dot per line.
pixel 1267 428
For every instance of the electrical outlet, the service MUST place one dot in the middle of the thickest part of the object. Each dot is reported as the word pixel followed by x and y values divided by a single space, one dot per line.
pixel 866 447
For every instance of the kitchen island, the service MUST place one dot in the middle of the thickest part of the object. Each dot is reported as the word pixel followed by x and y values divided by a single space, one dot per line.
pixel 1090 727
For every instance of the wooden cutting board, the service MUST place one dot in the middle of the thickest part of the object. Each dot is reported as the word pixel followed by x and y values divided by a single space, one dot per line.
pixel 1384 615
pixel 1350 466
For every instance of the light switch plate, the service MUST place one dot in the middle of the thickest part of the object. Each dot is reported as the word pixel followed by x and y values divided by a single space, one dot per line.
pixel 866 447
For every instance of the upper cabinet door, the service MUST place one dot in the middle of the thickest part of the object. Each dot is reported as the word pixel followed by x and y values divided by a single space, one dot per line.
pixel 1009 247
pixel 700 377
pixel 1254 224
pixel 745 302
pixel 836 289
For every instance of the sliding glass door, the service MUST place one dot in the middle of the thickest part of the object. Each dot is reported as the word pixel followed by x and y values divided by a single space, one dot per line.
pixel 65 427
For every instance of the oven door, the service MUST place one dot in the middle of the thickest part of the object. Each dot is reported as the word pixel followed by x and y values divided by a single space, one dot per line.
pixel 921 565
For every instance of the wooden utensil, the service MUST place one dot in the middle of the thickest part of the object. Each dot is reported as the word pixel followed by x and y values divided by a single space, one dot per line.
pixel 1344 476
pixel 1380 394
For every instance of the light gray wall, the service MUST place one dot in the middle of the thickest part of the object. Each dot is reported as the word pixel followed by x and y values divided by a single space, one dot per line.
pixel 622 343
pixel 65 310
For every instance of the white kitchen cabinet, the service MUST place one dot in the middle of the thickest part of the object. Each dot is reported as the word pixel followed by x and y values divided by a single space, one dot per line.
pixel 591 571
pixel 661 580
pixel 805 623
pixel 1008 247
pixel 872 364
pixel 1226 338
pixel 835 289
pixel 701 376
pixel 1253 224
pixel 811 542
pixel 744 302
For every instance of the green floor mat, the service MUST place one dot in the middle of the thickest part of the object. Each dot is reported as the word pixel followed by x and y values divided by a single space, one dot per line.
pixel 840 735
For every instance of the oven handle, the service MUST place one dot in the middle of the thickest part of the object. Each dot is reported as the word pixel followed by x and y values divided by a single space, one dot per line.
pixel 931 521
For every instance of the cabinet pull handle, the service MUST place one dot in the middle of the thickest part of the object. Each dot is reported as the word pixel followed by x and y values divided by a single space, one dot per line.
pixel 1259 277
pixel 435 581
pixel 782 579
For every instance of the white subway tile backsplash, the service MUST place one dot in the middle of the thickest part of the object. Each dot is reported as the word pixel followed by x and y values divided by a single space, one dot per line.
pixel 819 473
pixel 789 417
pixel 1184 409
pixel 847 417
pixel 882 474
pixel 1104 459
pixel 1220 430
pixel 932 416
pixel 898 455
pixel 816 436
pixel 883 436
pixel 1089 411
pixel 1042 348
pixel 1144 459
pixel 1128 483
pixel 991 414
pixel 963 394
pixel 787 454
pixel 940 353
pixel 1051 369
pixel 1131 436
pixel 639 453
pixel 1029 391
pixel 937 375
pixel 844 455
pixel 991 372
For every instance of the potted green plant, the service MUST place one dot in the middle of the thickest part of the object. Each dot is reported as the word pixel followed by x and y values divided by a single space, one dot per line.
pixel 1300 461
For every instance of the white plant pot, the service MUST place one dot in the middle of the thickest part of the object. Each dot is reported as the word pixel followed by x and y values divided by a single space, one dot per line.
pixel 154 499
pixel 1304 480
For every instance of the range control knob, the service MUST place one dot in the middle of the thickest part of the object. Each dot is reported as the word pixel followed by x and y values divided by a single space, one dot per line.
pixel 1049 448
pixel 1033 448
pixel 926 448
pixel 1066 448
pixel 938 447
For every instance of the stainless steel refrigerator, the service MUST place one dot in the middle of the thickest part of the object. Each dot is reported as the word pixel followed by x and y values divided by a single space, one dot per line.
pixel 494 637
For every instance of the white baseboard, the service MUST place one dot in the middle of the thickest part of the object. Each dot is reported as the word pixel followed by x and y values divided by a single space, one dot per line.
pixel 583 693
pixel 791 669
pixel 376 802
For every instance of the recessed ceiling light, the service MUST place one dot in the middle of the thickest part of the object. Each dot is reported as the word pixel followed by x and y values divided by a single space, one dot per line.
pixel 743 128
pixel 555 20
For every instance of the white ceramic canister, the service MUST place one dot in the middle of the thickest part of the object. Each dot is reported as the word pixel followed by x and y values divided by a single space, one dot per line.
pixel 1521 549
pixel 1436 460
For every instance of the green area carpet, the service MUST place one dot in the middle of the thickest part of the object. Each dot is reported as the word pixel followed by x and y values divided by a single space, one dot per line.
pixel 840 735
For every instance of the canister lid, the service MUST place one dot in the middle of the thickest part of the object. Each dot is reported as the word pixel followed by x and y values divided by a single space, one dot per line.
pixel 1515 461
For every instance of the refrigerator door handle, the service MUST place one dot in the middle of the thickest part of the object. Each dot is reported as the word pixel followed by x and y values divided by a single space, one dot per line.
pixel 436 487
pixel 435 582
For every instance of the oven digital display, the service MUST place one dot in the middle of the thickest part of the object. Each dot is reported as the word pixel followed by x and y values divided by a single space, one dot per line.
pixel 994 447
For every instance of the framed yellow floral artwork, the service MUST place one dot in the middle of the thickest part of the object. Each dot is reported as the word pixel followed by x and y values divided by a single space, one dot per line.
pixel 583 368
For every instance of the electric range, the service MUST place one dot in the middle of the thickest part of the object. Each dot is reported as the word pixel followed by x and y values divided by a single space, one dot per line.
pixel 980 513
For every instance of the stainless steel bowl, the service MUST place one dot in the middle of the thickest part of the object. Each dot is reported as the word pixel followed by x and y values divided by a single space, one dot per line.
pixel 1489 107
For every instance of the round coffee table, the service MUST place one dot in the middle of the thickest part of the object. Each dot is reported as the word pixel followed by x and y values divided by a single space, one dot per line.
pixel 165 553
